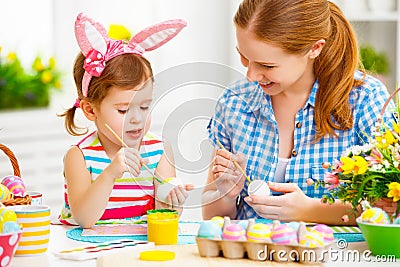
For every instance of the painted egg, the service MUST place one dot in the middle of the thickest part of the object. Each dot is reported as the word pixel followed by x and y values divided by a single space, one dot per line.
pixel 218 220
pixel 326 232
pixel 11 227
pixel 312 239
pixel 284 235
pixel 209 230
pixel 375 215
pixel 244 224
pixel 259 232
pixel 4 193
pixel 294 225
pixel 234 232
pixel 15 185
pixel 397 220
pixel 7 215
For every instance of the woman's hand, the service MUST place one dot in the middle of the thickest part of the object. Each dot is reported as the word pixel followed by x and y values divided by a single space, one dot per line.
pixel 293 205
pixel 228 179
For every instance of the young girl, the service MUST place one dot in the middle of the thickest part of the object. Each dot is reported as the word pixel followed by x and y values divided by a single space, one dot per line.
pixel 104 173
pixel 303 104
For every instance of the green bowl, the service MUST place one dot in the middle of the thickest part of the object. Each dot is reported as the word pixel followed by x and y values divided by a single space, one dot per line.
pixel 382 239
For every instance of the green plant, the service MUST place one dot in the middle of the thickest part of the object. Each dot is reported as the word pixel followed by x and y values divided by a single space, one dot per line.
pixel 377 63
pixel 21 88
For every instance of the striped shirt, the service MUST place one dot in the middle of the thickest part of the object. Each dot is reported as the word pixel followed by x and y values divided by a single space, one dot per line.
pixel 130 196
pixel 244 122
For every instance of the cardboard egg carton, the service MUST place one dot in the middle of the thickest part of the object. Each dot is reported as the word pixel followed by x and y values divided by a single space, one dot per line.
pixel 262 251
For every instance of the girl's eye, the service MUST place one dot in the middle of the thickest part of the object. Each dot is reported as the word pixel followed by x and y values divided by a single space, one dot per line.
pixel 144 108
pixel 122 111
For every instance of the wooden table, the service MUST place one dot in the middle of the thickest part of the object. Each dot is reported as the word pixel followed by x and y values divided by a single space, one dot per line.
pixel 185 255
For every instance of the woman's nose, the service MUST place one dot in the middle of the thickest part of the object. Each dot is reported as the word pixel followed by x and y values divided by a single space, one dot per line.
pixel 253 73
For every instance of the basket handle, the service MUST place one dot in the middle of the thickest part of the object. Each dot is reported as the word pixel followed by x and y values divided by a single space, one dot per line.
pixel 12 158
pixel 387 103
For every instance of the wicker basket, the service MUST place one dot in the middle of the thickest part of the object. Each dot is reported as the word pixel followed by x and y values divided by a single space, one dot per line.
pixel 15 200
pixel 386 204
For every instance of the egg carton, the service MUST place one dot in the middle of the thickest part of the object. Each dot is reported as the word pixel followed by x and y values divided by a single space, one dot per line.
pixel 262 251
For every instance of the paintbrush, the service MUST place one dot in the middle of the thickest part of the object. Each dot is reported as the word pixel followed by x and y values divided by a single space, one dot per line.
pixel 126 146
pixel 234 162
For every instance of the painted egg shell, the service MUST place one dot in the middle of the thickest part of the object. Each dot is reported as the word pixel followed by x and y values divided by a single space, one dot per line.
pixel 283 234
pixel 15 185
pixel 294 225
pixel 11 227
pixel 218 220
pixel 375 215
pixel 244 224
pixel 233 232
pixel 4 193
pixel 7 215
pixel 326 232
pixel 259 232
pixel 209 230
pixel 312 239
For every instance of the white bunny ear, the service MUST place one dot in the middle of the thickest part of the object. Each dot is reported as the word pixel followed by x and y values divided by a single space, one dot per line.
pixel 157 35
pixel 90 35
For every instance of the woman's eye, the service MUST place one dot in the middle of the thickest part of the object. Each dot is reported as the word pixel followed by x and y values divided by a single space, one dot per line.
pixel 268 66
pixel 122 111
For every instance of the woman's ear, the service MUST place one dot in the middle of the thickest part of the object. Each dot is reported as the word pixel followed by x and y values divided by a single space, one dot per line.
pixel 316 48
pixel 88 110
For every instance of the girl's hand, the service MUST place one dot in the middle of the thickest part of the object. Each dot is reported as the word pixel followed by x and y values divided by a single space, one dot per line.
pixel 126 160
pixel 294 205
pixel 178 196
pixel 228 179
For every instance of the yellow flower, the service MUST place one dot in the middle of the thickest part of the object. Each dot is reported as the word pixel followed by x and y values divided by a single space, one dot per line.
pixel 396 127
pixel 361 165
pixel 37 64
pixel 119 32
pixel 11 57
pixel 385 140
pixel 348 165
pixel 52 63
pixel 394 191
pixel 57 84
pixel 46 77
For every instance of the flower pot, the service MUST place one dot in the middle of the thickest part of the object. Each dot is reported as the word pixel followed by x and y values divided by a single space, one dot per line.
pixel 381 6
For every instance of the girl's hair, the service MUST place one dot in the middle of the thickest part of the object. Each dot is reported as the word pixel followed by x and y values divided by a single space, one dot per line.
pixel 295 25
pixel 124 71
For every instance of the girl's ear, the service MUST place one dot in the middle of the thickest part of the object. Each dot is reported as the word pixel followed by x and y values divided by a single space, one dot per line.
pixel 88 110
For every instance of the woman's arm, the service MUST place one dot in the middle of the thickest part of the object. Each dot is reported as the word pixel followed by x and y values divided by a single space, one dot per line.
pixel 223 186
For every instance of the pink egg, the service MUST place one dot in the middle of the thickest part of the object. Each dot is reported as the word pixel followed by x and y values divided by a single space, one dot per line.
pixel 233 232
pixel 284 235
pixel 326 232
pixel 15 185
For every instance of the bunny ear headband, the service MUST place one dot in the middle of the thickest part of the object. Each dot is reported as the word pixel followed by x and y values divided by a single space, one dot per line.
pixel 98 48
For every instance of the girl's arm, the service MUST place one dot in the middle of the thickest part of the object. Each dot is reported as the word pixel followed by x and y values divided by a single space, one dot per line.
pixel 87 200
pixel 166 169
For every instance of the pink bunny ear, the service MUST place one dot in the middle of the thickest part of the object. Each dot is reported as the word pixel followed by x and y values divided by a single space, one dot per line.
pixel 90 35
pixel 155 36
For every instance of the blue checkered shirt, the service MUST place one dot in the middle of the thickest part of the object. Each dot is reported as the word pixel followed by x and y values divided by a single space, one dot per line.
pixel 244 122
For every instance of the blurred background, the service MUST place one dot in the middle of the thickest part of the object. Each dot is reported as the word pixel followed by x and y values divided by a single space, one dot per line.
pixel 190 73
